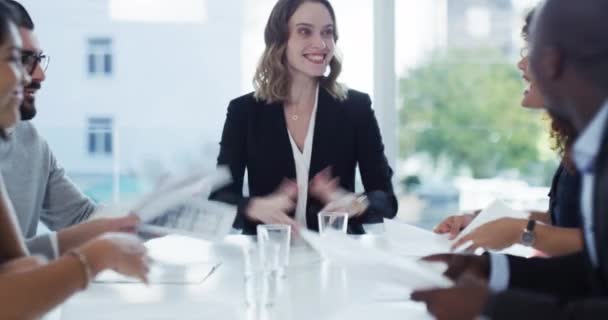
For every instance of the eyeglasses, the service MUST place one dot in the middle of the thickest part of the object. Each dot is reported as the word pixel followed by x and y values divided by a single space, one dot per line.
pixel 31 60
pixel 524 52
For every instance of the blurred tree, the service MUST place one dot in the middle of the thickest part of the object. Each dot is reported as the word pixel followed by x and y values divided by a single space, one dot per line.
pixel 465 105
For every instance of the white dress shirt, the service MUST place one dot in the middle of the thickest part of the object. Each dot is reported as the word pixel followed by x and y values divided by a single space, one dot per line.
pixel 302 164
pixel 585 151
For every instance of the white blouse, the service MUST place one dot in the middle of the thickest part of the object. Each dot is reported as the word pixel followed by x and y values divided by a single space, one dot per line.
pixel 302 164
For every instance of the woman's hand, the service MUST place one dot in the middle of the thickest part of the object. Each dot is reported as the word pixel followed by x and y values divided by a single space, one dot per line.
pixel 325 187
pixel 274 209
pixel 495 235
pixel 79 234
pixel 123 253
pixel 454 224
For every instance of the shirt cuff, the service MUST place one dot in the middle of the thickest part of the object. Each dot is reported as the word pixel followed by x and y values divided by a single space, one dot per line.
pixel 54 243
pixel 499 272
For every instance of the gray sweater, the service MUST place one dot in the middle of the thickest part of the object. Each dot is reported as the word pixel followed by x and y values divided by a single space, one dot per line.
pixel 39 188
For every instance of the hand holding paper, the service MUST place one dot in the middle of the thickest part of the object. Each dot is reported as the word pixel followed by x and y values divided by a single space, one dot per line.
pixel 494 235
pixel 180 206
pixel 496 213
pixel 408 240
pixel 493 212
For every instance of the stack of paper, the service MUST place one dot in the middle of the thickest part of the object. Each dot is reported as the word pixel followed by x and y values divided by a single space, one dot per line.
pixel 496 211
pixel 408 240
pixel 171 264
pixel 384 266
pixel 493 212
pixel 164 273
pixel 180 206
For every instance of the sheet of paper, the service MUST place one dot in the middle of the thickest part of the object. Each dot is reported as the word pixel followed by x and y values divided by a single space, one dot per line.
pixel 171 264
pixel 379 265
pixel 174 193
pixel 204 219
pixel 179 206
pixel 169 195
pixel 164 273
pixel 493 212
pixel 408 240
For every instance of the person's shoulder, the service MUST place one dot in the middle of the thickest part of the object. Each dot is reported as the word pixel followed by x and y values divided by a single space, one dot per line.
pixel 356 97
pixel 245 100
pixel 357 103
pixel 244 104
pixel 26 132
pixel 28 137
pixel 352 99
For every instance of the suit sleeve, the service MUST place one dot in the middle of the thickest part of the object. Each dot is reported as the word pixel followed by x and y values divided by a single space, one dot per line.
pixel 233 154
pixel 376 174
pixel 564 277
pixel 517 304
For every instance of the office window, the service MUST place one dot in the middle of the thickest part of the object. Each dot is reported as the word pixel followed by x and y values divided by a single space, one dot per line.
pixel 479 22
pixel 100 57
pixel 159 11
pixel 464 139
pixel 100 136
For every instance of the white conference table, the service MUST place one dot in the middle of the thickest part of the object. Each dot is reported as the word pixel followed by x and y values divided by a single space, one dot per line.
pixel 312 289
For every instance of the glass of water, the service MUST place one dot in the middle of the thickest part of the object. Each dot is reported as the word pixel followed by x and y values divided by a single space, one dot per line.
pixel 333 221
pixel 279 235
pixel 261 276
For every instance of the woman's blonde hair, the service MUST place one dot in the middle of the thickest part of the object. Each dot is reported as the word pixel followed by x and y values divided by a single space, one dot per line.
pixel 272 80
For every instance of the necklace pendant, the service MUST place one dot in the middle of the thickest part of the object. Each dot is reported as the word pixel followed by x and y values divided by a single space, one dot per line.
pixel 294 117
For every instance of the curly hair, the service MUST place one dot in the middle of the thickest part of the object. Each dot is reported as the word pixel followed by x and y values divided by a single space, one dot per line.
pixel 562 133
pixel 272 79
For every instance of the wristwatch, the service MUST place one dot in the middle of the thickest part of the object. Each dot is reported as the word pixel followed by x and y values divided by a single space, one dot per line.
pixel 528 237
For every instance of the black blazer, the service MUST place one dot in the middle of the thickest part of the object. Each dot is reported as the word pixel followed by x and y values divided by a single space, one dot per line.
pixel 571 287
pixel 564 198
pixel 346 134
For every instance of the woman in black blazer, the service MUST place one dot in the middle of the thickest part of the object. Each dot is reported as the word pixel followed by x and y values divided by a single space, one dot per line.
pixel 561 230
pixel 294 172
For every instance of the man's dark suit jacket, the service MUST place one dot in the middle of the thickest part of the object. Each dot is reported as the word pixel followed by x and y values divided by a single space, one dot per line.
pixel 346 134
pixel 570 287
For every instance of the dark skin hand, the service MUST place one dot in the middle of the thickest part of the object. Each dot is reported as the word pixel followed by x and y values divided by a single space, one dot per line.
pixel 465 301
pixel 467 298
pixel 459 264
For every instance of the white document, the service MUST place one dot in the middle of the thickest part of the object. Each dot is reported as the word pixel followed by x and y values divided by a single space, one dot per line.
pixel 408 240
pixel 165 273
pixel 204 219
pixel 495 211
pixel 180 206
pixel 178 191
pixel 381 266
pixel 174 260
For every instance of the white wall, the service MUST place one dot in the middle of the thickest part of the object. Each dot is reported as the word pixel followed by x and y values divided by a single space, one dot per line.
pixel 169 91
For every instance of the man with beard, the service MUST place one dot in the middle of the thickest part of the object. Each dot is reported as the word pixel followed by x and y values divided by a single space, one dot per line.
pixel 569 60
pixel 36 183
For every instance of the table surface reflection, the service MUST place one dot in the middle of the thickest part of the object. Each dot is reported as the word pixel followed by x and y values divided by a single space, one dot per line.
pixel 313 289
